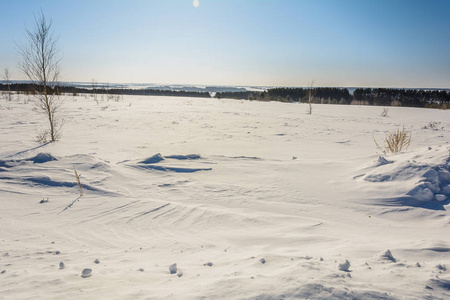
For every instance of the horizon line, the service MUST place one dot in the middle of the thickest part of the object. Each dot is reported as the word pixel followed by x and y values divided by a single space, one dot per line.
pixel 233 86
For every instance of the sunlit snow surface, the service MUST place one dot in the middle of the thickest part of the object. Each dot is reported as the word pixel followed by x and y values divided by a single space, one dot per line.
pixel 250 200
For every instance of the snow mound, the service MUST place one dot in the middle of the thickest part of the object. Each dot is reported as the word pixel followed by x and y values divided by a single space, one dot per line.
pixel 181 166
pixel 179 273
pixel 344 266
pixel 421 176
pixel 433 184
pixel 388 256
pixel 439 283
pixel 383 161
pixel 316 291
pixel 173 269
pixel 41 158
pixel 35 172
pixel 86 273
pixel 158 158
pixel 184 157
pixel 4 164
pixel 153 159
pixel 173 169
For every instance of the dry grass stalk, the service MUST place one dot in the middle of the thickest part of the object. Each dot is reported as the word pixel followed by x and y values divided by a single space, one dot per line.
pixel 77 176
pixel 401 139
pixel 80 189
pixel 378 146
pixel 396 141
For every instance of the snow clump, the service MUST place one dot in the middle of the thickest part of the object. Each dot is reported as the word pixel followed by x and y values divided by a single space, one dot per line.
pixel 388 256
pixel 344 266
pixel 86 273
pixel 173 269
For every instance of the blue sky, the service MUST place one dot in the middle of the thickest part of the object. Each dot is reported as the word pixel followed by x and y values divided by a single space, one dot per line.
pixel 382 43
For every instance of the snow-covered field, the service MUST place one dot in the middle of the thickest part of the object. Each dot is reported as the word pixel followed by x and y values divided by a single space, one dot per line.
pixel 251 200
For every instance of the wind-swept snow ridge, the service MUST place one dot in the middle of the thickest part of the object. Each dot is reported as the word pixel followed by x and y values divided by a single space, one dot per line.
pixel 184 157
pixel 39 158
pixel 422 175
pixel 42 158
pixel 181 164
pixel 44 170
pixel 153 159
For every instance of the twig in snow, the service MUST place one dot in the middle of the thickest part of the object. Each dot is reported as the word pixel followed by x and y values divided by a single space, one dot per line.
pixel 70 205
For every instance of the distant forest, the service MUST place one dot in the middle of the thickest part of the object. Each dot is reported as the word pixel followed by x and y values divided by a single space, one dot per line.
pixel 28 88
pixel 361 96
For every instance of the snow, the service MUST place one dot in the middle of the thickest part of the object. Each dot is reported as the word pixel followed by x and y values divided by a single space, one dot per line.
pixel 344 266
pixel 173 269
pixel 212 187
pixel 388 256
pixel 86 273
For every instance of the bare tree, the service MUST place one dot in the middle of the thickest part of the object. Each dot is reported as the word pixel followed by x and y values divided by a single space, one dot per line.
pixel 108 96
pixel 94 89
pixel 310 91
pixel 41 63
pixel 6 77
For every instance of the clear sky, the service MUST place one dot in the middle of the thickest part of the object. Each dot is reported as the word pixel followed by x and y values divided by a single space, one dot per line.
pixel 373 43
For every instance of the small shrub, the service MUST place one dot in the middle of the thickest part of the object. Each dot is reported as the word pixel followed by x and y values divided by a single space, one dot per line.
pixel 395 141
pixel 433 126
pixel 42 136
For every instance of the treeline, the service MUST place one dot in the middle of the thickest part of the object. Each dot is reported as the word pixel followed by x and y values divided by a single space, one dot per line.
pixel 365 96
pixel 402 97
pixel 319 95
pixel 28 88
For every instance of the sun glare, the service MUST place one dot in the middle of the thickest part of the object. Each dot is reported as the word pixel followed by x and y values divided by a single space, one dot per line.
pixel 196 3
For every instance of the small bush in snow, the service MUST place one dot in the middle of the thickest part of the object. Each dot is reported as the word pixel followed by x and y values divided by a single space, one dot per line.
pixel 433 126
pixel 396 141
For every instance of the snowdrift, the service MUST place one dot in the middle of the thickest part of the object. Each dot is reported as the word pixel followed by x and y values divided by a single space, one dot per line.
pixel 421 177
pixel 190 198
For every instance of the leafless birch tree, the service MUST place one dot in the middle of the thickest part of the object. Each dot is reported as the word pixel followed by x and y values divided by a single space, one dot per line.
pixel 41 63
pixel 6 77
pixel 94 89
pixel 310 97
